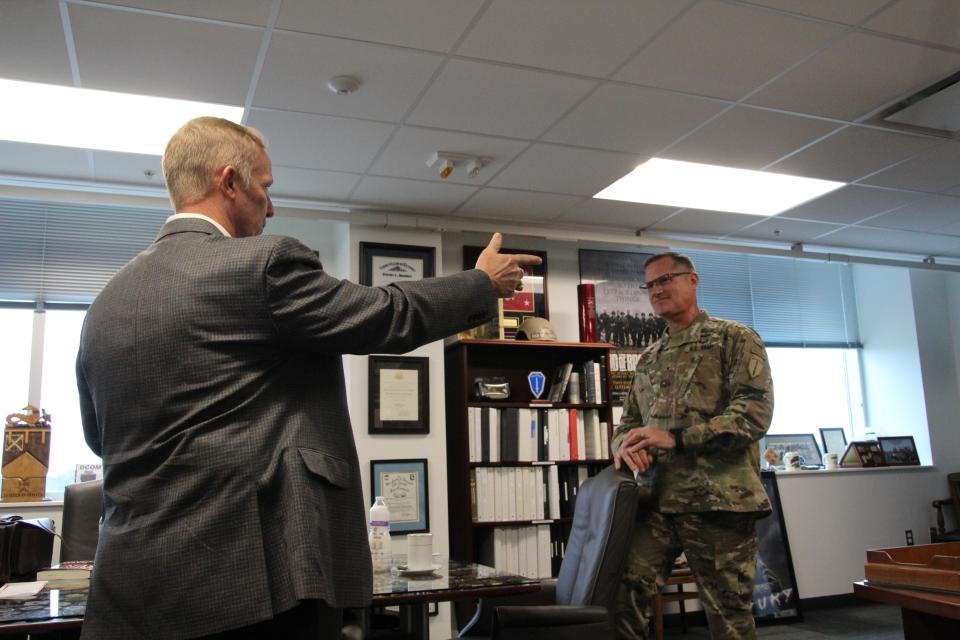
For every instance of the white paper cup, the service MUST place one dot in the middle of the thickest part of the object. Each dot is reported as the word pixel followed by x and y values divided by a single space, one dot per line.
pixel 419 551
pixel 831 461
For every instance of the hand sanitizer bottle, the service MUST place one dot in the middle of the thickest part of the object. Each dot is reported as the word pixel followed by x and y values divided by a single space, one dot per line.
pixel 380 552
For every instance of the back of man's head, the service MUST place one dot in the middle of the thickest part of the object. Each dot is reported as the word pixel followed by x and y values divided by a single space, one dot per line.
pixel 199 149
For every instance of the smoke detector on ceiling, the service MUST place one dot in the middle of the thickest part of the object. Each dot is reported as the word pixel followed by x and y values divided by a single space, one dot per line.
pixel 343 85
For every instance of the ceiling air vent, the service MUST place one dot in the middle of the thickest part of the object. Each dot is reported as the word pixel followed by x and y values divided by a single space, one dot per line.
pixel 934 110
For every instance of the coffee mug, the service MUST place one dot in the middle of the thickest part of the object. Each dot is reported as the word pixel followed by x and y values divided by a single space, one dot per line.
pixel 420 551
pixel 791 461
pixel 831 461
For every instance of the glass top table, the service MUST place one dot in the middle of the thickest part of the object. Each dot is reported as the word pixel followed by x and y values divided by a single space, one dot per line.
pixel 63 608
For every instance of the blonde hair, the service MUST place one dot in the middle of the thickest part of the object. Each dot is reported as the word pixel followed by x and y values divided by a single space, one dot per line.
pixel 200 148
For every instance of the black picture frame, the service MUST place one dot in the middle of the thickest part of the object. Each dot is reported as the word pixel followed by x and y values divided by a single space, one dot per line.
pixel 393 401
pixel 531 302
pixel 382 264
pixel 803 443
pixel 409 513
pixel 899 451
pixel 775 594
pixel 829 435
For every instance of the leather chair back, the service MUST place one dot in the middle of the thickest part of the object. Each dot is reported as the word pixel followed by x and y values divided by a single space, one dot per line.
pixel 599 541
pixel 82 510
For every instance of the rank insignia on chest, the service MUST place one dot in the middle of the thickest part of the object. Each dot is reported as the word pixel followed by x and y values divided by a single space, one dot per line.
pixel 537 381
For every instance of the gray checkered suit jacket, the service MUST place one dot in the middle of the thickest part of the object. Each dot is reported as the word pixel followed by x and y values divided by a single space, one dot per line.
pixel 211 383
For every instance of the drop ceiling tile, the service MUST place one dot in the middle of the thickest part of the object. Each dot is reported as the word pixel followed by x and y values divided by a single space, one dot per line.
pixel 320 142
pixel 520 206
pixel 614 213
pixel 421 24
pixel 25 159
pixel 632 119
pixel 407 153
pixel 852 153
pixel 708 223
pixel 253 12
pixel 298 66
pixel 927 20
pixel 589 38
pixel 933 170
pixel 724 50
pixel 170 57
pixel 777 229
pixel 952 229
pixel 923 214
pixel 748 138
pixel 850 204
pixel 411 195
pixel 856 76
pixel 32 45
pixel 548 167
pixel 112 166
pixel 890 240
pixel 293 182
pixel 845 11
pixel 487 98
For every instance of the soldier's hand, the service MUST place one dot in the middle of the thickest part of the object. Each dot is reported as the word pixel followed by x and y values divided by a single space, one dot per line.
pixel 633 449
pixel 635 459
pixel 505 270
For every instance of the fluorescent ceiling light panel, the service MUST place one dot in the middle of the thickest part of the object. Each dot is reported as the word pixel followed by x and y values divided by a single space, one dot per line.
pixel 91 119
pixel 706 186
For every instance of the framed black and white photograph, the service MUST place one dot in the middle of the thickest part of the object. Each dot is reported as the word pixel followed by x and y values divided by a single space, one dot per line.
pixel 803 443
pixel 899 451
pixel 530 301
pixel 404 487
pixel 398 395
pixel 382 264
pixel 834 440
pixel 775 596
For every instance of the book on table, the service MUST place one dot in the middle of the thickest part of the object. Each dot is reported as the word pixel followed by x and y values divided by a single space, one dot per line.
pixel 67 570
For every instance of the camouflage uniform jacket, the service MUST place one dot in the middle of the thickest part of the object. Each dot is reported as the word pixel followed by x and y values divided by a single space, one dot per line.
pixel 713 381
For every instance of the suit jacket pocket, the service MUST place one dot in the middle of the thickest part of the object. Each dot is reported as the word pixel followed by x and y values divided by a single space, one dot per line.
pixel 334 470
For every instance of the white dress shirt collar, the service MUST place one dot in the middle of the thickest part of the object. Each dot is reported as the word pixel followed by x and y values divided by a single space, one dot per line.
pixel 180 216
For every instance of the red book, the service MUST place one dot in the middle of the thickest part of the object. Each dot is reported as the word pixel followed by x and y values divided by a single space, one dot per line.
pixel 574 441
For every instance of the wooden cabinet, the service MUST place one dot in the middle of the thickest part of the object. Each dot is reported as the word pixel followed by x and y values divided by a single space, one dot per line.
pixel 521 507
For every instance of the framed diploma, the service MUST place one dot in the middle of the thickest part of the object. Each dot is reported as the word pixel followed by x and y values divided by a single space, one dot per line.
pixel 403 485
pixel 399 395
pixel 382 264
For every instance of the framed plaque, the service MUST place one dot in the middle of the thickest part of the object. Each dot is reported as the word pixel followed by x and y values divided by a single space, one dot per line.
pixel 398 395
pixel 531 301
pixel 834 440
pixel 404 487
pixel 899 450
pixel 803 443
pixel 382 264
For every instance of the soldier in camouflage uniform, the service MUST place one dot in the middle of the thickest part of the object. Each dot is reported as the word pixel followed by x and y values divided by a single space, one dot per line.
pixel 700 400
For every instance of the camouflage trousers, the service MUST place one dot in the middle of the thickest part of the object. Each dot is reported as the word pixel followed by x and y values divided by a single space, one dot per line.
pixel 721 549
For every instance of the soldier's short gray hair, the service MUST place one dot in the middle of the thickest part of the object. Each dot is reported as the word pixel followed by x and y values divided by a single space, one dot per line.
pixel 202 147
pixel 684 261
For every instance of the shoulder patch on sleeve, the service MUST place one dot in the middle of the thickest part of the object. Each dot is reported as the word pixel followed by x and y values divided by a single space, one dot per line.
pixel 755 366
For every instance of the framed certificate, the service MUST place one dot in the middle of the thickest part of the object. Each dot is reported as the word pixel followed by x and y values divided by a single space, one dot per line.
pixel 403 485
pixel 399 395
pixel 382 264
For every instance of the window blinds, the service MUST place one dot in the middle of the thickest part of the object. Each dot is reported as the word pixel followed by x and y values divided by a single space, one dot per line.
pixel 65 252
pixel 788 301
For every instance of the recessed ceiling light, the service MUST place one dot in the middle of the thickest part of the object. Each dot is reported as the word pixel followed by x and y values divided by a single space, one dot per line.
pixel 92 119
pixel 715 188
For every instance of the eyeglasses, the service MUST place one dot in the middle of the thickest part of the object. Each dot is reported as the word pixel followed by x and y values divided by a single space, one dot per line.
pixel 663 280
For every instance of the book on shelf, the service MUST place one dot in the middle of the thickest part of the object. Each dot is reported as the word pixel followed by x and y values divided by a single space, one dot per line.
pixel 535 551
pixel 561 378
pixel 70 570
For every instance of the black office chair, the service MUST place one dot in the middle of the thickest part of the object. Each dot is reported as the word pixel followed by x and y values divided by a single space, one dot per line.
pixel 940 534
pixel 82 510
pixel 579 603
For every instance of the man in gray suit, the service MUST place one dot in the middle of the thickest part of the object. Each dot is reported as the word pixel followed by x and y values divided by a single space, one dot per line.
pixel 211 384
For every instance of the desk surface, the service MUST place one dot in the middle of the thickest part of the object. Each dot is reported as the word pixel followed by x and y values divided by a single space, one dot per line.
pixel 938 604
pixel 61 608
